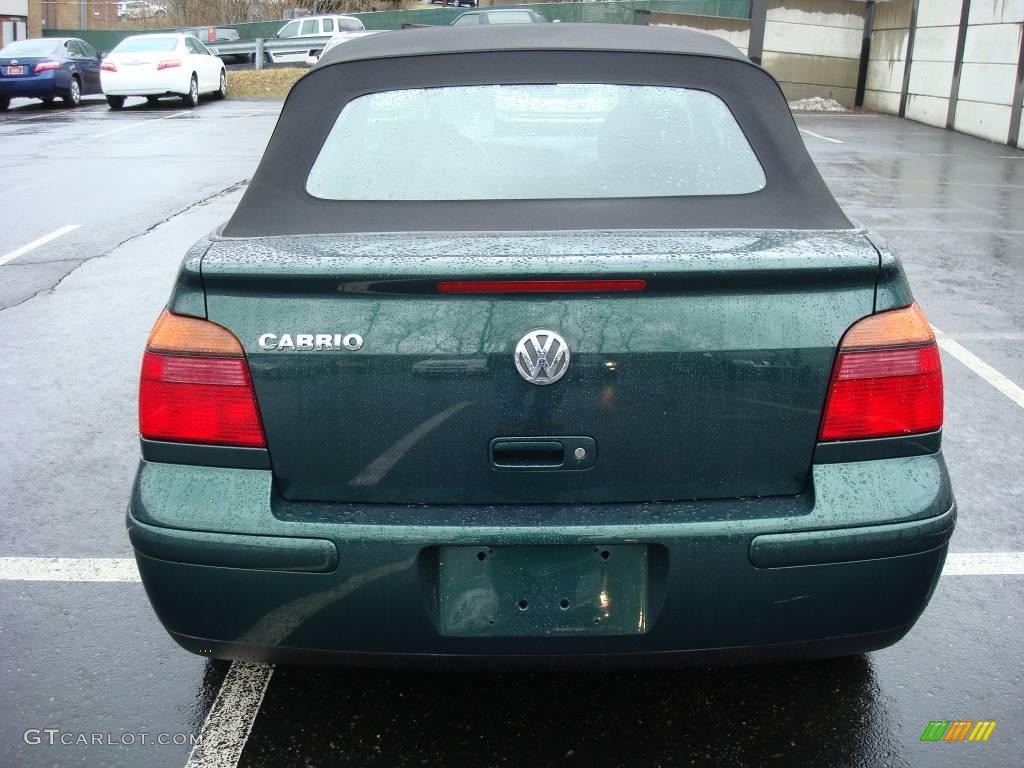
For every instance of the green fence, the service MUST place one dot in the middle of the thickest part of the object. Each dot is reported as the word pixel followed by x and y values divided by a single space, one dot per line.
pixel 620 12
pixel 600 13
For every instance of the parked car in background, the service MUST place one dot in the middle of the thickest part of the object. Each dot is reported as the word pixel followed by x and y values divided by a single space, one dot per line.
pixel 210 36
pixel 309 26
pixel 132 10
pixel 500 16
pixel 574 359
pixel 162 65
pixel 338 39
pixel 49 68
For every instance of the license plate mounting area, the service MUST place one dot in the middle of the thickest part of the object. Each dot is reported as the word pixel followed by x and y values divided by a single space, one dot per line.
pixel 543 591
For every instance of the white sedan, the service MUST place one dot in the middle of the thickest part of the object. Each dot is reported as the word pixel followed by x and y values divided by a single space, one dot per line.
pixel 161 65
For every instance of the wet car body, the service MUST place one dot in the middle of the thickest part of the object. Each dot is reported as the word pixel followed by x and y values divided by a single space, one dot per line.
pixel 62 68
pixel 697 484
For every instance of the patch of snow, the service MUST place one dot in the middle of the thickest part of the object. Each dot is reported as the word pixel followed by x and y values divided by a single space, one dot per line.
pixel 816 104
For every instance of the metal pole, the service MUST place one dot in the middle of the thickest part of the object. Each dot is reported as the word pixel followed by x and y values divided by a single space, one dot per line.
pixel 958 62
pixel 83 14
pixel 911 34
pixel 258 56
pixel 1018 97
pixel 865 53
pixel 758 19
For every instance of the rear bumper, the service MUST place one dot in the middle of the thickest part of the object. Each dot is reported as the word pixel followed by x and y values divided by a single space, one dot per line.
pixel 149 83
pixel 235 572
pixel 38 86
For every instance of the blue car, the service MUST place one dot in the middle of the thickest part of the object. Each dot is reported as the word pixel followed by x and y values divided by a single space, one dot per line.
pixel 49 68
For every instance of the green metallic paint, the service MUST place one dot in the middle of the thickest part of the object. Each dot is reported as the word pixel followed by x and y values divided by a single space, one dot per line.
pixel 782 550
pixel 228 550
pixel 893 290
pixel 734 329
pixel 241 501
pixel 188 296
pixel 743 325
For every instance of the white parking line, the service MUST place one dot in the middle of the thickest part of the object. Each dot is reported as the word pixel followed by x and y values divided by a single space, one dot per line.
pixel 229 722
pixel 68 569
pixel 984 564
pixel 819 136
pixel 136 125
pixel 123 569
pixel 980 367
pixel 36 243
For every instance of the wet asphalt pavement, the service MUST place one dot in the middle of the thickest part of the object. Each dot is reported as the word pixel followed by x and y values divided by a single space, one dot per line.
pixel 91 657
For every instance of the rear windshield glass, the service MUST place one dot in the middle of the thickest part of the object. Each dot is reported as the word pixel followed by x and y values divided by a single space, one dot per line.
pixel 146 45
pixel 30 48
pixel 529 142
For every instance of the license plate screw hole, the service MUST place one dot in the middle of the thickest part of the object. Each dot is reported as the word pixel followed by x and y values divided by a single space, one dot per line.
pixel 522 605
pixel 564 603
pixel 481 556
pixel 605 554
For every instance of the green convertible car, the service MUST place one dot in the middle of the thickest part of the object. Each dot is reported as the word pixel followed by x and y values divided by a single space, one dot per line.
pixel 539 343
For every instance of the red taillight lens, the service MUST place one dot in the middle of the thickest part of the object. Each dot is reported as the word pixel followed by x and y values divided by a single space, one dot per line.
pixel 108 66
pixel 540 286
pixel 47 66
pixel 196 387
pixel 887 379
pixel 168 64
pixel 198 400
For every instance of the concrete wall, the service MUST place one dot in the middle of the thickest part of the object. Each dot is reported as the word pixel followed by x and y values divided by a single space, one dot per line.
pixel 736 31
pixel 989 70
pixel 14 8
pixel 889 38
pixel 931 70
pixel 987 75
pixel 812 47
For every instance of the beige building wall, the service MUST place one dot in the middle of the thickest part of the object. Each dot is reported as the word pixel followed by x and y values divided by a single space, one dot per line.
pixel 812 47
pixel 989 70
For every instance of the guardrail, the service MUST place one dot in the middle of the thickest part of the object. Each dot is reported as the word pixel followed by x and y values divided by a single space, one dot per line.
pixel 258 48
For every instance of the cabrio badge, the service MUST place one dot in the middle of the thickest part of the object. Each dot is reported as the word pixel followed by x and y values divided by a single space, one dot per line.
pixel 310 341
pixel 542 357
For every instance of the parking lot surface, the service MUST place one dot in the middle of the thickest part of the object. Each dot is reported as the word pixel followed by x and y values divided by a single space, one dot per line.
pixel 121 196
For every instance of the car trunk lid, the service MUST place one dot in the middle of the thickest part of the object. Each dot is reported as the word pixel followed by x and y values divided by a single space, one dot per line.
pixel 707 383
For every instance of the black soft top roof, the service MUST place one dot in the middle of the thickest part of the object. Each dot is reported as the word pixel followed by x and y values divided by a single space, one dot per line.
pixel 276 201
pixel 430 41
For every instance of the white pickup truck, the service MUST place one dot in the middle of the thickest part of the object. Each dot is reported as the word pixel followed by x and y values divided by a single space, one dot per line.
pixel 336 40
pixel 310 26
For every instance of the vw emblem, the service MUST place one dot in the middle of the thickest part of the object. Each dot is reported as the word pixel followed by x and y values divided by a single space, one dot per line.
pixel 542 357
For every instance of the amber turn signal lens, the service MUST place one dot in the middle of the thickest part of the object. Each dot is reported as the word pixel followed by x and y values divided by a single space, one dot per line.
pixel 179 335
pixel 894 328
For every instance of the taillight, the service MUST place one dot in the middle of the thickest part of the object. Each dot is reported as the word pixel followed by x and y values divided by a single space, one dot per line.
pixel 887 379
pixel 168 64
pixel 108 66
pixel 540 286
pixel 195 386
pixel 46 66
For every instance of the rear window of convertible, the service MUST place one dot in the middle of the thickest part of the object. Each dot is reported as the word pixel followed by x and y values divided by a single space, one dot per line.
pixel 530 142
